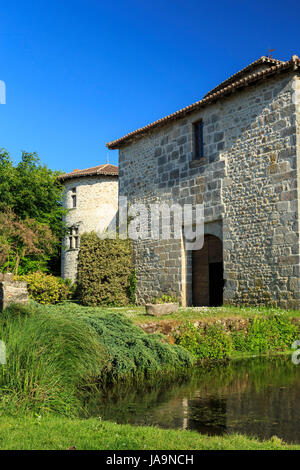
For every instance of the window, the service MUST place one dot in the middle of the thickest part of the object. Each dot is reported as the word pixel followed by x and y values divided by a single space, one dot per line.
pixel 74 199
pixel 198 140
pixel 74 238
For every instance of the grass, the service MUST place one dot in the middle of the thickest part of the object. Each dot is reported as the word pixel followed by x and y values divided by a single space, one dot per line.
pixel 56 352
pixel 55 356
pixel 207 317
pixel 57 433
pixel 48 361
pixel 138 314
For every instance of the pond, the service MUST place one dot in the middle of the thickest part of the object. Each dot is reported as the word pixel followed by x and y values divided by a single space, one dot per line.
pixel 257 396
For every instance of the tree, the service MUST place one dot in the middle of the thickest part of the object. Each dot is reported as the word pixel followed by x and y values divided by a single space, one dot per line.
pixel 24 243
pixel 32 191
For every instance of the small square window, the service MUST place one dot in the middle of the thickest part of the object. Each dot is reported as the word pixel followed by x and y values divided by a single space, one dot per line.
pixel 198 140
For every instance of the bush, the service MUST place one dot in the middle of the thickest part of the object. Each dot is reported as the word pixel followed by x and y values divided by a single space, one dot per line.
pixel 165 299
pixel 132 286
pixel 45 288
pixel 211 343
pixel 105 272
pixel 132 352
pixel 274 333
pixel 239 340
pixel 264 334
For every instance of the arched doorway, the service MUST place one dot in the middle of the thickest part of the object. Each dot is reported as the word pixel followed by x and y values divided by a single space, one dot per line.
pixel 207 273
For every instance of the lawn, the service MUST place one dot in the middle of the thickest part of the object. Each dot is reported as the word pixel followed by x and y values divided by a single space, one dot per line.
pixel 67 347
pixel 58 433
pixel 138 314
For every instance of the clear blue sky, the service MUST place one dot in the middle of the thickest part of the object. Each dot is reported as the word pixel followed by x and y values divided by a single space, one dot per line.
pixel 82 72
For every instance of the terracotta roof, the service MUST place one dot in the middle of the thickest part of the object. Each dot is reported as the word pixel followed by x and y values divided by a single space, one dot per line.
pixel 251 68
pixel 105 170
pixel 213 96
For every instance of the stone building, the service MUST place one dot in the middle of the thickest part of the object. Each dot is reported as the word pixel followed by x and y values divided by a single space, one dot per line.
pixel 237 151
pixel 91 196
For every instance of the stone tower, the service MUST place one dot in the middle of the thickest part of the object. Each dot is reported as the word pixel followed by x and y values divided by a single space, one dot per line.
pixel 91 196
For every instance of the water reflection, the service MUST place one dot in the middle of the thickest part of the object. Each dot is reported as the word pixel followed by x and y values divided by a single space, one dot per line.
pixel 259 397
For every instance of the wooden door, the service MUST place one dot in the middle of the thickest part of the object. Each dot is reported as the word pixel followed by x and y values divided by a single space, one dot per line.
pixel 207 273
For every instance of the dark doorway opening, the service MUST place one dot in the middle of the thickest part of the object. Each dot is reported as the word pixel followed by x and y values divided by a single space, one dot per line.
pixel 215 284
pixel 207 273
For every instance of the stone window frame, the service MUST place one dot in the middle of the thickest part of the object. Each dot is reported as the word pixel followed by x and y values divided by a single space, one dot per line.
pixel 73 238
pixel 74 197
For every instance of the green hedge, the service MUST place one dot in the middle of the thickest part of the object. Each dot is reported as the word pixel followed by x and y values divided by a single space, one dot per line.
pixel 105 272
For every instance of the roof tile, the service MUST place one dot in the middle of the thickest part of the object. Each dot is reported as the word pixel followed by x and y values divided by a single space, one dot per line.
pixel 214 95
pixel 105 170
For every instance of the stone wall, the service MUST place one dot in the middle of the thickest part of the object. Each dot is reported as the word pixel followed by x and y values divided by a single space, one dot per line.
pixel 11 291
pixel 297 137
pixel 247 182
pixel 94 195
pixel 171 328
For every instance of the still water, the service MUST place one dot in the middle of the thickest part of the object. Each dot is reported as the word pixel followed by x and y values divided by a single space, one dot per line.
pixel 258 396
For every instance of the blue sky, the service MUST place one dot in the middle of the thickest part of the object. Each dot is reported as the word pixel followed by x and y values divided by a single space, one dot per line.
pixel 80 73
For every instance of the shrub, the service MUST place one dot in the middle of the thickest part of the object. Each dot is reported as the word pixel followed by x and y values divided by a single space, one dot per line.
pixel 132 352
pixel 45 288
pixel 239 340
pixel 188 338
pixel 264 334
pixel 274 333
pixel 105 272
pixel 211 343
pixel 165 299
pixel 132 286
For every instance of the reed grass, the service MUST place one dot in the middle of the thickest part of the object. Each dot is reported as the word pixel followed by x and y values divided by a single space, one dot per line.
pixel 55 359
